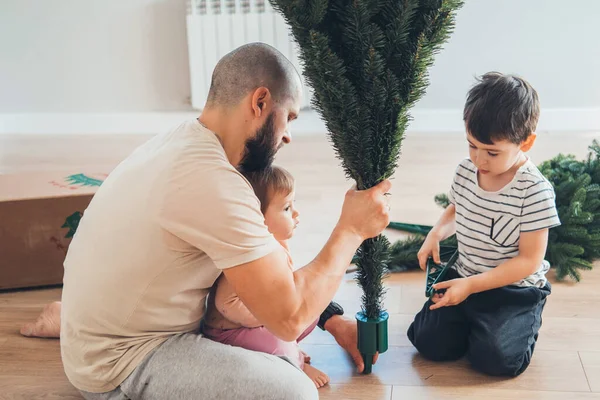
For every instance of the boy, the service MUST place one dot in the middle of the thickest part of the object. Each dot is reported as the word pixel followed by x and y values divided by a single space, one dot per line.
pixel 501 208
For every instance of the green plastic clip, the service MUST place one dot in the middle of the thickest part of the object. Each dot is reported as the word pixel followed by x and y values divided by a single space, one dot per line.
pixel 410 228
pixel 437 272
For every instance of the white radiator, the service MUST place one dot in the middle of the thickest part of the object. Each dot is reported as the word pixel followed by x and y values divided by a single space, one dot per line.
pixel 215 27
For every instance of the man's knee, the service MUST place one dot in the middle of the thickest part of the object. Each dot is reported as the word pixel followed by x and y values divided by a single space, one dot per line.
pixel 288 382
pixel 300 389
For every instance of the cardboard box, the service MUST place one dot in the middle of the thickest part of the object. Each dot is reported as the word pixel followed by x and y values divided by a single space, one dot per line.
pixel 39 213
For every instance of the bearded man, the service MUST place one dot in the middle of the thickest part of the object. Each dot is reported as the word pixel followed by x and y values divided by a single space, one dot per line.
pixel 175 215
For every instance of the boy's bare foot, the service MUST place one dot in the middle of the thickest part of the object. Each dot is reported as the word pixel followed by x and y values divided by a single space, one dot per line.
pixel 47 324
pixel 306 357
pixel 318 377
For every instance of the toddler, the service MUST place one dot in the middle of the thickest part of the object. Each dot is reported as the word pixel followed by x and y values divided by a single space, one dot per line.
pixel 227 319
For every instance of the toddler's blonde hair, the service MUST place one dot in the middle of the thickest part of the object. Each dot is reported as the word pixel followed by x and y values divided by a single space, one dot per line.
pixel 268 182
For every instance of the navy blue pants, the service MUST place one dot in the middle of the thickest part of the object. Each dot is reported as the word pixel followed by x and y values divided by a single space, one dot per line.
pixel 496 330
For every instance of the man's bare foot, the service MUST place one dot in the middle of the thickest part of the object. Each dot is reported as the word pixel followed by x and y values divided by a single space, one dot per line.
pixel 318 377
pixel 47 324
pixel 306 357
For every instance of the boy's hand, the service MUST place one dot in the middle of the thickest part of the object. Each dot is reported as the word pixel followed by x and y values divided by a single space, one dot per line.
pixel 431 247
pixel 457 290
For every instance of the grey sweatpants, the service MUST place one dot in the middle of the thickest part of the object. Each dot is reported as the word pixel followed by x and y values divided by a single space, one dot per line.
pixel 190 366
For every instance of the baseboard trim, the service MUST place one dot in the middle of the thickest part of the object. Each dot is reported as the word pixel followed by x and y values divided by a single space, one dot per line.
pixel 309 123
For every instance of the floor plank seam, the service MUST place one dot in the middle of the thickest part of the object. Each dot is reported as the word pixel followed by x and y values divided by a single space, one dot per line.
pixel 584 371
pixel 438 385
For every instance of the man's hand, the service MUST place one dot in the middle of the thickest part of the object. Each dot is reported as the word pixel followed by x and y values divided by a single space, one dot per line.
pixel 345 332
pixel 457 290
pixel 366 212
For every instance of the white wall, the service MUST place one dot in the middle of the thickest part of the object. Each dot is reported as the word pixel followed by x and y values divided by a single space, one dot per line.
pixel 554 44
pixel 80 56
pixel 116 66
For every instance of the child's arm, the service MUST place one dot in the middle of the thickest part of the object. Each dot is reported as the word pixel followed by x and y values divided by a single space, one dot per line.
pixel 231 307
pixel 444 228
pixel 446 225
pixel 538 215
pixel 532 248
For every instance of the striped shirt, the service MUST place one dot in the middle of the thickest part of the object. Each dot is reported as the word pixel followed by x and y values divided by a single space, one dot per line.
pixel 489 224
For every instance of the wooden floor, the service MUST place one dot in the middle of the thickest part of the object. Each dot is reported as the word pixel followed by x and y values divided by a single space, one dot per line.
pixel 566 363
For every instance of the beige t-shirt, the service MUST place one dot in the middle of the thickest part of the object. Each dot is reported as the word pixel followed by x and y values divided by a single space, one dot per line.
pixel 150 245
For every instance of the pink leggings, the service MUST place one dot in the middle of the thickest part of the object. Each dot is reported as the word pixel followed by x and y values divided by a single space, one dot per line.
pixel 260 339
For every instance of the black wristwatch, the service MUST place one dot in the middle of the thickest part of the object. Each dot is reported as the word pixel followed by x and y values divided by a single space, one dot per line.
pixel 332 309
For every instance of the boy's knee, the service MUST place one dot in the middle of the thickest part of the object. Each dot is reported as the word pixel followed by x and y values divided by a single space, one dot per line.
pixel 435 345
pixel 492 359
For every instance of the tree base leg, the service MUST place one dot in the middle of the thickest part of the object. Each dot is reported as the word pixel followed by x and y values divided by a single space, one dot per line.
pixel 372 337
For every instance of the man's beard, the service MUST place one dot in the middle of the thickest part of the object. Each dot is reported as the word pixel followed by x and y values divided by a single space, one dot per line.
pixel 260 150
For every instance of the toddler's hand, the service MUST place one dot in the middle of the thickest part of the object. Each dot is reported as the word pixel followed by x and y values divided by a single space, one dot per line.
pixel 431 247
pixel 457 290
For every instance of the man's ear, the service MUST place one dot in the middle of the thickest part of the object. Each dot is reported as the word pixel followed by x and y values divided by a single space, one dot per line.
pixel 528 143
pixel 261 101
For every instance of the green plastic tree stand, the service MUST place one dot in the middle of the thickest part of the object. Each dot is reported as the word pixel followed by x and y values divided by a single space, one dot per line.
pixel 372 337
pixel 437 272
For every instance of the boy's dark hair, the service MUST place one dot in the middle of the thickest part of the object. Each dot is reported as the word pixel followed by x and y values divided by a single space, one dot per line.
pixel 268 181
pixel 501 107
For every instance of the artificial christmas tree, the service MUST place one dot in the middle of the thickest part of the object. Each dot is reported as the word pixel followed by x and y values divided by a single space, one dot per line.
pixel 571 247
pixel 367 61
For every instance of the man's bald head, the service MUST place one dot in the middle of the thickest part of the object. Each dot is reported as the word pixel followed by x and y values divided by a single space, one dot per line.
pixel 249 67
